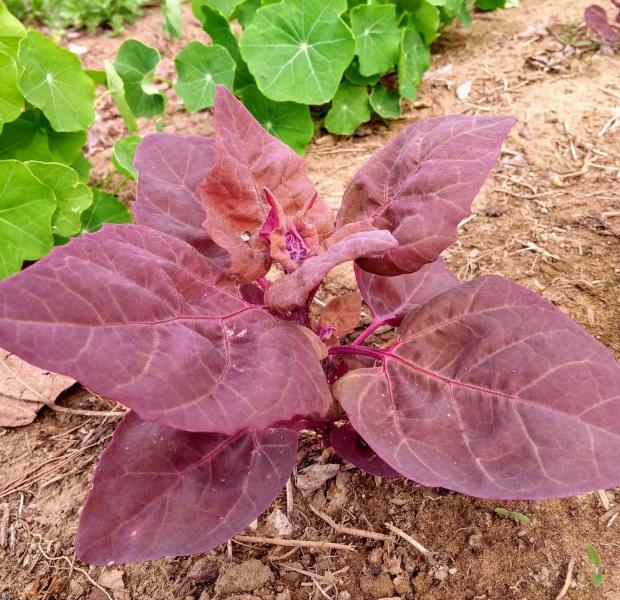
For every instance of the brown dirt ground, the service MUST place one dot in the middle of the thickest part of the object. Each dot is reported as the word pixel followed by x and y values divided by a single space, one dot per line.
pixel 549 218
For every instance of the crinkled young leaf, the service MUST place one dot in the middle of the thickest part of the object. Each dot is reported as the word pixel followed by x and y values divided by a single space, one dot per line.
pixel 104 209
pixel 200 68
pixel 249 159
pixel 421 185
pixel 135 64
pixel 298 49
pixel 386 103
pixel 52 79
pixel 413 61
pixel 71 196
pixel 143 319
pixel 492 391
pixel 162 492
pixel 11 98
pixel 293 290
pixel 124 154
pixel 350 445
pixel 170 169
pixel 26 208
pixel 288 121
pixel 350 108
pixel 595 17
pixel 31 137
pixel 394 297
pixel 342 313
pixel 377 37
pixel 116 87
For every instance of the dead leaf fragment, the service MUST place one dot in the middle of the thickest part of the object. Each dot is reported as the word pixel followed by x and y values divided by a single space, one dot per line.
pixel 24 389
pixel 113 581
pixel 313 477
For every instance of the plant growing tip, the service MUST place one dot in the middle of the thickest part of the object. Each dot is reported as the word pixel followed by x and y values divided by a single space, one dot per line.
pixel 486 389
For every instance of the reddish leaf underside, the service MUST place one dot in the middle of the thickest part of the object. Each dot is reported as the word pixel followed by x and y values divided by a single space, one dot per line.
pixel 394 297
pixel 350 446
pixel 142 318
pixel 170 169
pixel 595 17
pixel 248 159
pixel 293 290
pixel 421 185
pixel 493 392
pixel 162 492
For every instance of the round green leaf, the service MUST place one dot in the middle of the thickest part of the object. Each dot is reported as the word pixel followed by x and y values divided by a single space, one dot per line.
pixel 385 103
pixel 11 99
pixel 200 68
pixel 413 62
pixel 298 50
pixel 135 64
pixel 104 209
pixel 350 108
pixel 71 196
pixel 123 155
pixel 31 137
pixel 52 79
pixel 425 18
pixel 289 121
pixel 244 13
pixel 116 87
pixel 353 75
pixel 26 210
pixel 377 37
pixel 224 7
pixel 11 31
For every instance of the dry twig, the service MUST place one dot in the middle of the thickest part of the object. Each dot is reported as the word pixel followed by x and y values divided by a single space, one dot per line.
pixel 567 581
pixel 408 538
pixel 349 530
pixel 285 542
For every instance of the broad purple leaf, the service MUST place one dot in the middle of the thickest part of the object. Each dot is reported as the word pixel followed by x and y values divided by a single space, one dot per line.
pixel 421 185
pixel 247 160
pixel 170 169
pixel 142 318
pixel 595 17
pixel 351 446
pixel 493 392
pixel 159 491
pixel 394 297
pixel 293 290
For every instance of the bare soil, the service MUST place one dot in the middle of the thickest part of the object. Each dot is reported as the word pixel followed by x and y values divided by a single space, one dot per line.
pixel 549 218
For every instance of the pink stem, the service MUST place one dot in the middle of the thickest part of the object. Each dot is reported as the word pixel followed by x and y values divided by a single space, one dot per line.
pixel 263 282
pixel 376 324
pixel 359 350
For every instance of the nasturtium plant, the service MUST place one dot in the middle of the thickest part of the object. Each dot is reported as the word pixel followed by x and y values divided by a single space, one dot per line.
pixel 486 388
pixel 350 108
pixel 123 155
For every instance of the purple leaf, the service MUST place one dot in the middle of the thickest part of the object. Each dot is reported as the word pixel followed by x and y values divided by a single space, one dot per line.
pixel 293 290
pixel 493 392
pixel 247 160
pixel 170 169
pixel 595 17
pixel 351 446
pixel 421 185
pixel 393 297
pixel 142 318
pixel 162 492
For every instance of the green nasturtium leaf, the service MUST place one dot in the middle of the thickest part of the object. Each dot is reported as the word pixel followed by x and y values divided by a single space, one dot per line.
pixel 11 31
pixel 465 16
pixel 31 137
pixel 82 166
pixel 52 79
pixel 71 196
pixel 219 30
pixel 353 75
pixel 11 98
pixel 98 76
pixel 123 155
pixel 490 4
pixel 26 208
pixel 413 62
pixel 173 18
pixel 377 37
pixel 298 50
pixel 425 18
pixel 350 108
pixel 244 13
pixel 116 87
pixel 104 209
pixel 135 64
pixel 224 7
pixel 289 121
pixel 386 103
pixel 200 68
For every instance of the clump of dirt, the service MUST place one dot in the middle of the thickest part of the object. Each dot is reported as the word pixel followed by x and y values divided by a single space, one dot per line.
pixel 549 218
